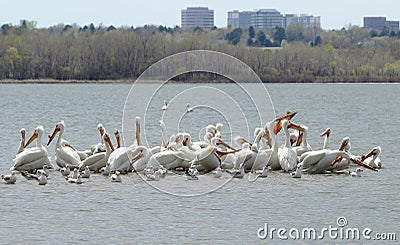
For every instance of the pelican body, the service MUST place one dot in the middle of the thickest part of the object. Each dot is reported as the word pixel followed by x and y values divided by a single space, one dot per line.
pixel 65 154
pixel 33 158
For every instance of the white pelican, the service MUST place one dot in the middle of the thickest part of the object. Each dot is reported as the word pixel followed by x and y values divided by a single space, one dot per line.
pixel 340 163
pixel 165 106
pixel 22 142
pixel 304 146
pixel 246 156
pixel 218 128
pixel 317 162
pixel 170 159
pixel 187 141
pixel 118 138
pixel 326 133
pixel 262 156
pixel 99 160
pixel 119 158
pixel 287 156
pixel 116 177
pixel 239 141
pixel 206 159
pixel 273 160
pixel 9 178
pixel 357 173
pixel 139 158
pixel 188 108
pixel 99 147
pixel 32 158
pixel 65 154
pixel 164 135
pixel 372 158
pixel 229 161
pixel 297 173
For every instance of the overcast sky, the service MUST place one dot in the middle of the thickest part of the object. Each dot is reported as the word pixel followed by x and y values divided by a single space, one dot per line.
pixel 334 14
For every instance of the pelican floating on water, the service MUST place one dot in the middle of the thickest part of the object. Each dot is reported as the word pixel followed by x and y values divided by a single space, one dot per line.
pixel 65 154
pixel 287 156
pixel 372 158
pixel 326 133
pixel 99 160
pixel 32 158
pixel 22 141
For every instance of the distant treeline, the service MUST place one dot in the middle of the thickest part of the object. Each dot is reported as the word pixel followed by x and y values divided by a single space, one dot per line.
pixel 71 52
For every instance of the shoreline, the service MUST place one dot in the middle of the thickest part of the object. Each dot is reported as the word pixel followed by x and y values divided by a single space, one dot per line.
pixel 131 81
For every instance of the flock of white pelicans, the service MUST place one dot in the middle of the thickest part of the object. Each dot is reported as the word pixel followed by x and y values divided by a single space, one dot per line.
pixel 178 154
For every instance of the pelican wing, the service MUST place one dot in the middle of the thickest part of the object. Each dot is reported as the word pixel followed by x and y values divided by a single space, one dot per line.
pixel 287 158
pixel 68 155
pixel 29 156
pixel 94 161
pixel 312 158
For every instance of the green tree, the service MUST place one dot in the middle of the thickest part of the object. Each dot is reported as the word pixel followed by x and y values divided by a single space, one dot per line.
pixel 251 32
pixel 295 32
pixel 279 35
pixel 234 36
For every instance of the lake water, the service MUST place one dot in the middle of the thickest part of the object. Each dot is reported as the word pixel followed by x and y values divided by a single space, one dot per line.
pixel 99 212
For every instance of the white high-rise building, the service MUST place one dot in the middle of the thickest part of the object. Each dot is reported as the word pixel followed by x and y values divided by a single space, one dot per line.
pixel 193 17
pixel 306 21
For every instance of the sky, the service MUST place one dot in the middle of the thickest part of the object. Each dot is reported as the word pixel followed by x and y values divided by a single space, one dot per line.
pixel 334 14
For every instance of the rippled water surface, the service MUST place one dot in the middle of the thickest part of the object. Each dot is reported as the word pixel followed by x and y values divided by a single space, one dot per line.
pixel 99 211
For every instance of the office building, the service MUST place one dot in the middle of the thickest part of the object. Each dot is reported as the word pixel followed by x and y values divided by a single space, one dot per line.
pixel 306 21
pixel 379 23
pixel 193 17
pixel 239 19
pixel 266 18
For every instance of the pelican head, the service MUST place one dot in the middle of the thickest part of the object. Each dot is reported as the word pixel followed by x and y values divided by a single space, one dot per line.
pixel 294 126
pixel 138 153
pixel 118 137
pixel 23 133
pixel 219 126
pixel 374 152
pixel 36 134
pixel 60 126
pixel 345 142
pixel 179 137
pixel 186 139
pixel 100 127
pixel 107 140
pixel 327 132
